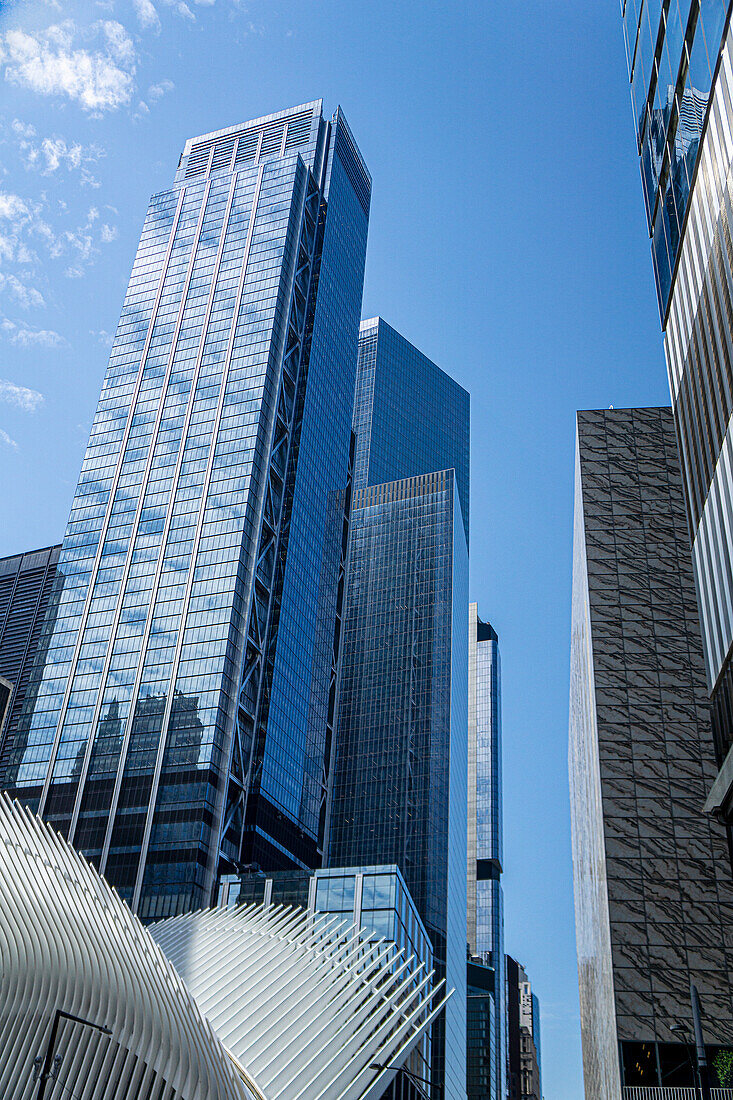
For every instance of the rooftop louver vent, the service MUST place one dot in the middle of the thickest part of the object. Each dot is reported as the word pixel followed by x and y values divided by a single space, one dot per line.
pixel 251 145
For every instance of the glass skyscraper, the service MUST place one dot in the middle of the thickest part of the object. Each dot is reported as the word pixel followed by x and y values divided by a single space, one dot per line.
pixel 485 930
pixel 399 790
pixel 182 721
pixel 681 69
pixel 26 582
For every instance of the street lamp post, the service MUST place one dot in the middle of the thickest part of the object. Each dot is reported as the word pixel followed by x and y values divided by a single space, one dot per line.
pixel 702 1061
pixel 48 1059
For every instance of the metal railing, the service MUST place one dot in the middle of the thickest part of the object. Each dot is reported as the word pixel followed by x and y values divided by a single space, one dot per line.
pixel 645 1093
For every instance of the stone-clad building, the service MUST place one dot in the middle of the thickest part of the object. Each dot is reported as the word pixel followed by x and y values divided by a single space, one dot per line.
pixel 653 891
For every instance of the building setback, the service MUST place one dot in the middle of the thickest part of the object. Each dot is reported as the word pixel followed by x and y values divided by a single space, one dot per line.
pixel 681 71
pixel 485 930
pixel 196 633
pixel 399 777
pixel 26 583
pixel 653 894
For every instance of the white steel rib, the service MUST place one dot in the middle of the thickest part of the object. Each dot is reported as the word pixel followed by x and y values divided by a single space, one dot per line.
pixel 310 1006
pixel 250 1003
pixel 68 942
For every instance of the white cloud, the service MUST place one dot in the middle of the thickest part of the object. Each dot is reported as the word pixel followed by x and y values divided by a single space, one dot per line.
pixel 5 438
pixel 181 8
pixel 12 206
pixel 108 233
pixel 24 294
pixel 106 339
pixel 53 152
pixel 23 129
pixel 157 91
pixel 48 63
pixel 20 396
pixel 119 43
pixel 147 15
pixel 26 337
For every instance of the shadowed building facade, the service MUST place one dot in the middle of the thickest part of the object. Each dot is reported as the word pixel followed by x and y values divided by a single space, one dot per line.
pixel 203 556
pixel 26 584
pixel 653 895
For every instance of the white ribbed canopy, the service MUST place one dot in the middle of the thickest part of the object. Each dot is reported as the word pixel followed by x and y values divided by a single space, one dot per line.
pixel 306 1003
pixel 226 1004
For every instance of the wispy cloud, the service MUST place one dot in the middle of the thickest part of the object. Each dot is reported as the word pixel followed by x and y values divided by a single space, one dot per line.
pixel 106 339
pixel 147 15
pixel 21 292
pixel 157 91
pixel 5 438
pixel 51 153
pixel 26 337
pixel 50 63
pixel 20 396
pixel 24 224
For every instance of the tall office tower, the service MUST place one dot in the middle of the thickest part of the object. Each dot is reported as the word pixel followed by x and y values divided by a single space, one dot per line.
pixel 182 721
pixel 524 1076
pixel 399 790
pixel 653 894
pixel 26 581
pixel 485 930
pixel 681 68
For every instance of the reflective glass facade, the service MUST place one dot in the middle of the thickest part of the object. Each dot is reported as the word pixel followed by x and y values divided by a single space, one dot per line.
pixel 179 719
pixel 672 47
pixel 410 417
pixel 399 793
pixel 26 583
pixel 653 892
pixel 485 931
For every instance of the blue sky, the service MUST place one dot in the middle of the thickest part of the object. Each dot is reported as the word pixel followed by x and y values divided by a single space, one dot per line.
pixel 507 241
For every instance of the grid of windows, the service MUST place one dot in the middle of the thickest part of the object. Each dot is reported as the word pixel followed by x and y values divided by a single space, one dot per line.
pixel 485 892
pixel 672 48
pixel 400 772
pixel 410 417
pixel 26 584
pixel 197 468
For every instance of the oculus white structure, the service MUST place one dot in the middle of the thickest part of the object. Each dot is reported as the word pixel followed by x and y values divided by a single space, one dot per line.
pixel 252 1004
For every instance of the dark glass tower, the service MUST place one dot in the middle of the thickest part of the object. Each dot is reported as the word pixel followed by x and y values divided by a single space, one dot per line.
pixel 26 581
pixel 485 930
pixel 681 68
pixel 181 723
pixel 653 894
pixel 399 792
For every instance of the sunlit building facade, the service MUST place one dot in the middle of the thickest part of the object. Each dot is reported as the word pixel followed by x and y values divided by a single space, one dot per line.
pixel 681 68
pixel 183 717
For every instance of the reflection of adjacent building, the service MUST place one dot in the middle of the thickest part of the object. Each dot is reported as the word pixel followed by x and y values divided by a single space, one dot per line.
pixel 399 776
pixel 524 1072
pixel 486 1024
pixel 653 893
pixel 191 622
pixel 373 898
pixel 26 584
